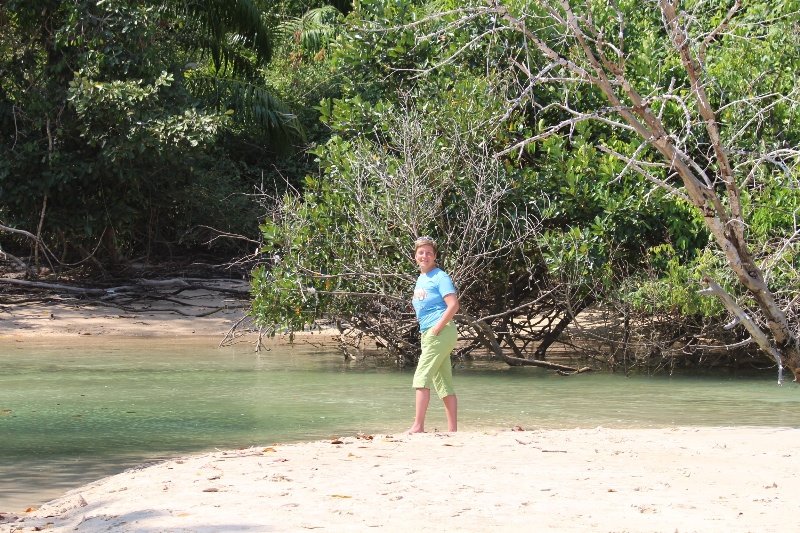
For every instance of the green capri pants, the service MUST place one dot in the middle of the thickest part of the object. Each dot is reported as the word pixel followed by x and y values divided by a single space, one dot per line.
pixel 434 366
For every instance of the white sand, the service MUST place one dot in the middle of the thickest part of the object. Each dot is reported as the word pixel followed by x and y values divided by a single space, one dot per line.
pixel 681 479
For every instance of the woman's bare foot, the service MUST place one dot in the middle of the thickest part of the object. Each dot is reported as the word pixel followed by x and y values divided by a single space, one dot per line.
pixel 415 429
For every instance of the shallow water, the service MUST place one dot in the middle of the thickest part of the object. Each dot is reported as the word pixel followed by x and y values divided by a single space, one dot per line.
pixel 70 415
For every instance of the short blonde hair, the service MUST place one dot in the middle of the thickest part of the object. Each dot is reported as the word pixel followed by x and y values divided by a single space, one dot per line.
pixel 426 241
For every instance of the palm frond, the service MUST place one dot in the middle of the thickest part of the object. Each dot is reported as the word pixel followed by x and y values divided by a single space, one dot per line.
pixel 316 28
pixel 253 105
pixel 223 21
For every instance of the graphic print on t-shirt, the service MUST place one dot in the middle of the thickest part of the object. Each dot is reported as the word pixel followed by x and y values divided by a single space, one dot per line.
pixel 420 293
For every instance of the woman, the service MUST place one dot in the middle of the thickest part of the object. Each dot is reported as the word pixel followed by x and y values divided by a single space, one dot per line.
pixel 435 303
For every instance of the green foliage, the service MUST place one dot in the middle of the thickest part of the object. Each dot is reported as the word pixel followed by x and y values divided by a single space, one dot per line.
pixel 315 29
pixel 223 23
pixel 377 63
pixel 125 119
pixel 156 118
pixel 252 106
pixel 755 65
pixel 671 286
pixel 119 115
pixel 597 221
pixel 600 222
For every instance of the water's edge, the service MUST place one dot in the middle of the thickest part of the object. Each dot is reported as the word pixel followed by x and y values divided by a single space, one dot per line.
pixel 70 415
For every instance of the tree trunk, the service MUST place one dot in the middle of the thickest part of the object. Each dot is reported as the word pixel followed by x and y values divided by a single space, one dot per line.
pixel 553 335
pixel 489 339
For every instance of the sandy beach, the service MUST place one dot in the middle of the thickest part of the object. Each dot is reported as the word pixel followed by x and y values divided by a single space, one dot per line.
pixel 599 479
pixel 680 479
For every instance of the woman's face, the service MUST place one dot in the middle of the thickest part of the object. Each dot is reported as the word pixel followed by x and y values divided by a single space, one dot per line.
pixel 425 257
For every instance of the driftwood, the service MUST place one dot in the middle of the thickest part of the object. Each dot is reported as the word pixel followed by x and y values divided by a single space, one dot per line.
pixel 52 287
pixel 140 285
pixel 39 244
pixel 132 297
pixel 22 265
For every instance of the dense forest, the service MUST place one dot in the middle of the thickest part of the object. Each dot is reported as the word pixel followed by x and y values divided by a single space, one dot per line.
pixel 627 170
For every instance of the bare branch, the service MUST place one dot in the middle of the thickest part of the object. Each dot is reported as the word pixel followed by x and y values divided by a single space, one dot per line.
pixel 701 54
pixel 744 319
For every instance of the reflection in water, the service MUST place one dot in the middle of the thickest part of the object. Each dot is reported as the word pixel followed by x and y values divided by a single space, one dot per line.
pixel 71 415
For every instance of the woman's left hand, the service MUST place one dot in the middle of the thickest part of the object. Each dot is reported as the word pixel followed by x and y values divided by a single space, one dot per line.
pixel 452 308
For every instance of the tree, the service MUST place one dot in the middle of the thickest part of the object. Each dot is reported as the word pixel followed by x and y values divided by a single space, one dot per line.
pixel 122 123
pixel 341 248
pixel 694 126
pixel 398 65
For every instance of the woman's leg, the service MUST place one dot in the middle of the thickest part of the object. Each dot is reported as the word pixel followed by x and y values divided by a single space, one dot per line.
pixel 423 398
pixel 451 410
pixel 443 377
pixel 434 368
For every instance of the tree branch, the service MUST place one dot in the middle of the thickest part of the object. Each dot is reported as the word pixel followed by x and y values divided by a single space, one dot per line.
pixel 713 288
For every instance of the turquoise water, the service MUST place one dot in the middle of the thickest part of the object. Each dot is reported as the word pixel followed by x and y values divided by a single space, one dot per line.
pixel 70 415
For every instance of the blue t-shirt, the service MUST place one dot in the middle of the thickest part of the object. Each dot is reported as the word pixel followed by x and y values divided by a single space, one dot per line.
pixel 429 293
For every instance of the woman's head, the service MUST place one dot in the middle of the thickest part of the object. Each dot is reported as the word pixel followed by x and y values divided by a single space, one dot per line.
pixel 425 251
pixel 426 241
